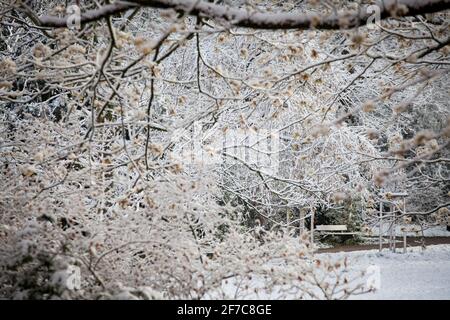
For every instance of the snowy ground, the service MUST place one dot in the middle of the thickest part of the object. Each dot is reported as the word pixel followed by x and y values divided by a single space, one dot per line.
pixel 415 275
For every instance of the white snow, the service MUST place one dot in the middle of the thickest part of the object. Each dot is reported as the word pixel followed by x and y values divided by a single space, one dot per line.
pixel 417 274
pixel 432 231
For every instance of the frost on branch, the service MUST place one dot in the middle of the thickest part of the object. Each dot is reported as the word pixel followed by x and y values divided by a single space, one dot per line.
pixel 186 152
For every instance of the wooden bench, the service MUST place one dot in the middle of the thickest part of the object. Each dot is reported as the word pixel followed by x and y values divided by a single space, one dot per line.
pixel 337 229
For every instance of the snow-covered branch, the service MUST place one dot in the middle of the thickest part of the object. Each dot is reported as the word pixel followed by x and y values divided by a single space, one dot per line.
pixel 265 20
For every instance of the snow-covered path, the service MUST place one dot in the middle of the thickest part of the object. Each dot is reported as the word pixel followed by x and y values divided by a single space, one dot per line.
pixel 415 275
